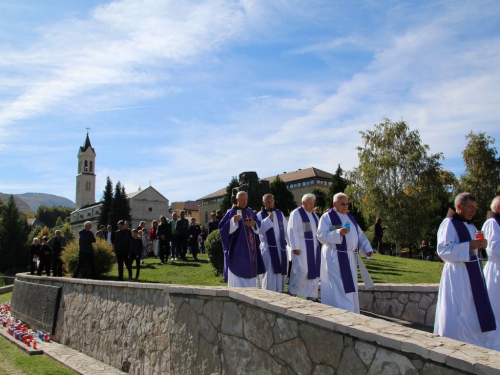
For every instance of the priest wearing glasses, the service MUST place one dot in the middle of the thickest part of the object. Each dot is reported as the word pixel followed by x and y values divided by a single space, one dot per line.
pixel 342 240
pixel 463 310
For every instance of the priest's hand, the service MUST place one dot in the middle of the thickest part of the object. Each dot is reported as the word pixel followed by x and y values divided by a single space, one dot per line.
pixel 478 244
pixel 236 218
pixel 296 252
pixel 344 231
pixel 249 222
pixel 369 255
pixel 271 216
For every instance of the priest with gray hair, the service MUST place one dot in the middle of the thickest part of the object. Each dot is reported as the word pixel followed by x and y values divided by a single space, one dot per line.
pixel 342 240
pixel 491 229
pixel 306 250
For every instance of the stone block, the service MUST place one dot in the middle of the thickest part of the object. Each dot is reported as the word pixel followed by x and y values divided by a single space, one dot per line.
pixel 294 353
pixel 387 362
pixel 413 313
pixel 284 330
pixel 257 330
pixel 36 304
pixel 351 363
pixel 403 298
pixel 365 351
pixel 366 301
pixel 425 302
pixel 232 320
pixel 324 347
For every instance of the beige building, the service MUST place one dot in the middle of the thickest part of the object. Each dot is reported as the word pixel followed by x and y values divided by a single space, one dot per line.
pixel 190 207
pixel 299 182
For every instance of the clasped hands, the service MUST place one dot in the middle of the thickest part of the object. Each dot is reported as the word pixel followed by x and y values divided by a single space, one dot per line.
pixel 249 222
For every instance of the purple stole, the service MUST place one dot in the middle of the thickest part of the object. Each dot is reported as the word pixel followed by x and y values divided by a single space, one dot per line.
pixel 344 265
pixel 278 267
pixel 313 265
pixel 497 219
pixel 240 247
pixel 482 302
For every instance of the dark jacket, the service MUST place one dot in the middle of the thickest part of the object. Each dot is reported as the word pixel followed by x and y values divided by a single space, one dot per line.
pixel 135 247
pixel 85 240
pixel 56 247
pixel 194 231
pixel 183 227
pixel 213 225
pixel 123 239
pixel 164 230
pixel 102 235
pixel 35 250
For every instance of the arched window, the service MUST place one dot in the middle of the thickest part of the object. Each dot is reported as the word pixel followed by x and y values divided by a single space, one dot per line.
pixel 86 169
pixel 80 167
pixel 91 166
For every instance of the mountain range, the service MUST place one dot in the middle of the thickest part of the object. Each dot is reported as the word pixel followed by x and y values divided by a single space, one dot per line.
pixel 29 202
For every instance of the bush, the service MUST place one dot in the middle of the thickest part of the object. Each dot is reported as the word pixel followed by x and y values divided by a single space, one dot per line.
pixel 213 246
pixel 104 258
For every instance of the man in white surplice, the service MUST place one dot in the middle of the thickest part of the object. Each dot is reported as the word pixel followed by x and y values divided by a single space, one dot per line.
pixel 331 235
pixel 273 279
pixel 491 229
pixel 456 315
pixel 302 232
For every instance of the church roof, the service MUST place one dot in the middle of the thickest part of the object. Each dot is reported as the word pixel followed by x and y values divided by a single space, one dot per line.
pixel 86 145
pixel 298 175
pixel 138 192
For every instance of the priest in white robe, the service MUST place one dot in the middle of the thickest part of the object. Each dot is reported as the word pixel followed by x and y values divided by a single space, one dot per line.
pixel 342 239
pixel 463 310
pixel 491 229
pixel 273 239
pixel 306 251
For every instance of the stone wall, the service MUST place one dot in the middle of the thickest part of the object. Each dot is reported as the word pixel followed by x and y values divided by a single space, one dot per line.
pixel 415 303
pixel 165 329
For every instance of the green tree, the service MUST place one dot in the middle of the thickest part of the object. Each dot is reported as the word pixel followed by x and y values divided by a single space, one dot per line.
pixel 283 198
pixel 49 215
pixel 59 221
pixel 396 180
pixel 67 232
pixel 13 234
pixel 482 172
pixel 338 185
pixel 226 203
pixel 107 202
pixel 120 207
pixel 320 199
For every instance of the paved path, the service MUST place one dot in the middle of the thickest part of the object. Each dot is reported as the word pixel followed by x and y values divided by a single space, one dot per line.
pixel 78 362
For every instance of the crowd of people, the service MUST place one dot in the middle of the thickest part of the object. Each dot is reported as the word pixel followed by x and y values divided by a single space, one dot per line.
pixel 264 248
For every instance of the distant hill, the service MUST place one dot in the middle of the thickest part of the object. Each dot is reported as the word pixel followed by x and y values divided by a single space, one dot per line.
pixel 37 199
pixel 21 204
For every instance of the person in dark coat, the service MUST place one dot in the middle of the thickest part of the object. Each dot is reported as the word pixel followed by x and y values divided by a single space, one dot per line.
pixel 34 254
pixel 213 224
pixel 164 232
pixel 379 234
pixel 135 254
pixel 424 249
pixel 123 239
pixel 45 257
pixel 194 232
pixel 182 234
pixel 85 250
pixel 101 233
pixel 57 245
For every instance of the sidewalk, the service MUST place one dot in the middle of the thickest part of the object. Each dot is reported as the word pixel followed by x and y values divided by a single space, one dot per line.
pixel 73 359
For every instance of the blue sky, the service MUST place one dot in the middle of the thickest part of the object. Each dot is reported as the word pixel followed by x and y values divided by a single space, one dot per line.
pixel 186 94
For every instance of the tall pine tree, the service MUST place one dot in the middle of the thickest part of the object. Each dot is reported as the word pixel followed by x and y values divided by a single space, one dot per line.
pixel 107 202
pixel 120 207
pixel 339 184
pixel 283 198
pixel 13 235
pixel 226 203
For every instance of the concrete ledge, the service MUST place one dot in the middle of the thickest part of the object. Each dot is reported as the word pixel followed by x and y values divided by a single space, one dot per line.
pixel 6 289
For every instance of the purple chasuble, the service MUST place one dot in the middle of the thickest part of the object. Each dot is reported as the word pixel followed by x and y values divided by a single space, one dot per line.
pixel 274 250
pixel 482 302
pixel 242 257
pixel 497 219
pixel 313 265
pixel 344 265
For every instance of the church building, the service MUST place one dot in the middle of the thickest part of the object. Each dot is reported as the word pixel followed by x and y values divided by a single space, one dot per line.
pixel 147 204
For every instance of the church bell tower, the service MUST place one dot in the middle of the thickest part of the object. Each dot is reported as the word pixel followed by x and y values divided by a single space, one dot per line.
pixel 85 179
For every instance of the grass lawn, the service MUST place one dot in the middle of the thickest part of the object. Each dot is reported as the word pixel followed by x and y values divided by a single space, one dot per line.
pixel 382 268
pixel 188 272
pixel 393 270
pixel 5 297
pixel 13 361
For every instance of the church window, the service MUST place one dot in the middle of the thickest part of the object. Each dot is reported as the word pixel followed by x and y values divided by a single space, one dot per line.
pixel 86 168
pixel 206 216
pixel 87 185
pixel 150 209
pixel 91 166
pixel 80 167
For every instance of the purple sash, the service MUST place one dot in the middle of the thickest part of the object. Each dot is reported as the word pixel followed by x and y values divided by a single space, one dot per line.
pixel 278 266
pixel 482 302
pixel 344 265
pixel 313 266
pixel 497 218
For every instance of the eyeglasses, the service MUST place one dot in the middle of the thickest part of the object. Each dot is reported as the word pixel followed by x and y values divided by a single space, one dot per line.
pixel 342 204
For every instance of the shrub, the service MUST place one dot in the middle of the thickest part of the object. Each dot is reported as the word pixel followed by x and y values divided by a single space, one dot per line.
pixel 104 258
pixel 213 245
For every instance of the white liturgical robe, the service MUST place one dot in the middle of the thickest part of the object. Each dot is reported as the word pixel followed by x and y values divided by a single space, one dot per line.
pixel 456 315
pixel 491 231
pixel 270 280
pixel 299 283
pixel 332 287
